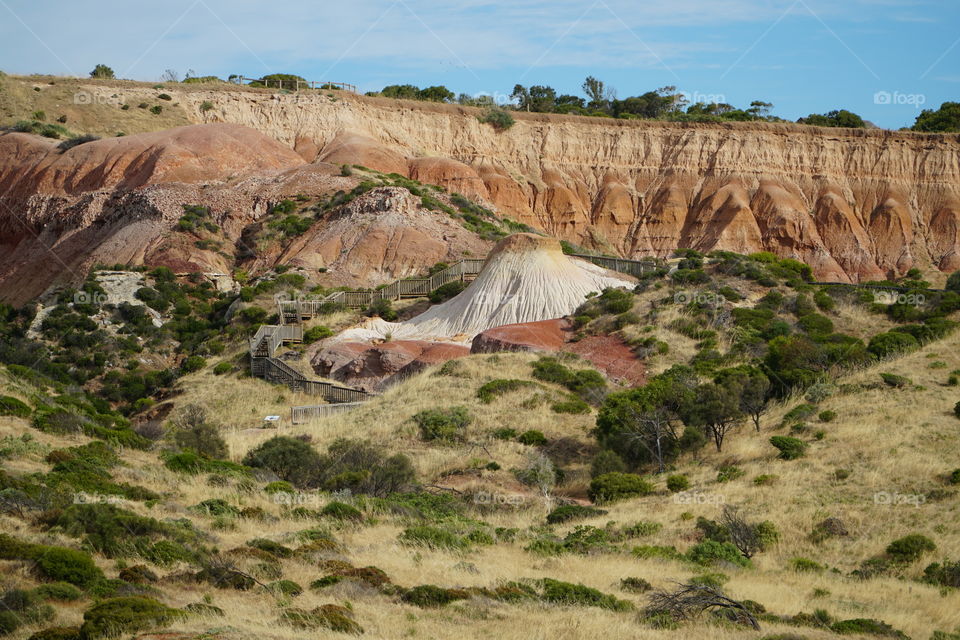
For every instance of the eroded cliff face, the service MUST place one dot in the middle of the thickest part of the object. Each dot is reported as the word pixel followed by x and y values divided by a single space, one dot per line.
pixel 856 205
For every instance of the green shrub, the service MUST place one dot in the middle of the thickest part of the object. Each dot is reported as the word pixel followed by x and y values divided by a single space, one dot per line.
pixel 677 483
pixel 291 459
pixel 60 591
pixel 606 461
pixel 532 438
pixel 790 448
pixel 944 575
pixel 910 548
pixel 383 309
pixel 314 334
pixel 285 588
pixel 955 476
pixel 894 380
pixel 827 416
pixel 9 622
pixel 498 118
pixel 278 486
pixel 430 596
pixel 635 585
pixel 341 511
pixel 271 547
pixel 433 538
pixel 57 633
pixel 222 368
pixel 329 616
pixel 572 405
pixel 194 432
pixel 805 565
pixel 567 593
pixel 192 363
pixel 864 626
pixel 447 291
pixel 118 616
pixel 10 406
pixel 156 109
pixel 956 409
pixel 729 472
pixel 611 487
pixel 66 565
pixel 445 425
pixel 648 551
pixel 568 512
pixel 710 551
pixel 506 433
pixel 887 344
pixel 487 392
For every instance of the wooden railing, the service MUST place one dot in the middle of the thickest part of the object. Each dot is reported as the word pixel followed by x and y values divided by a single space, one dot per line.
pixel 292 310
pixel 296 85
pixel 635 268
pixel 299 415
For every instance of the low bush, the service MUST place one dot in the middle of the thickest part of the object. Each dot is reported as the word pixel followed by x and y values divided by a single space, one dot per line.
pixel 677 483
pixel 611 487
pixel 285 588
pixel 60 591
pixel 568 512
pixel 910 548
pixel 118 616
pixel 10 406
pixel 490 390
pixel 805 565
pixel 446 425
pixel 865 626
pixel 291 459
pixel 433 538
pixel 430 596
pixel 635 585
pixel 341 511
pixel 315 334
pixel 894 380
pixel 790 448
pixel 532 438
pixel 567 593
pixel 946 574
pixel 710 552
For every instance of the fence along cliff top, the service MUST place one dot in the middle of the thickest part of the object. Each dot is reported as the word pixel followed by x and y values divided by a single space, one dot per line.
pixel 296 84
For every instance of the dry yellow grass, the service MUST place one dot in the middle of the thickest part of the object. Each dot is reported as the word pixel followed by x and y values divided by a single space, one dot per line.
pixel 897 441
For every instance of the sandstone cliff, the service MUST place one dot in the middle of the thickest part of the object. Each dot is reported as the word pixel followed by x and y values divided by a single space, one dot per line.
pixel 855 204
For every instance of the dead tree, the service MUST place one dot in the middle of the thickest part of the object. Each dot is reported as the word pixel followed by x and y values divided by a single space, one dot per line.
pixel 690 601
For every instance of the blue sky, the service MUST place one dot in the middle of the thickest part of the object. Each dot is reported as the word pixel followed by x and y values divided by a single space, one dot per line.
pixel 884 59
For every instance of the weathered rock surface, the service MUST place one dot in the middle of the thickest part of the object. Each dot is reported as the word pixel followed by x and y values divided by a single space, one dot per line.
pixel 373 367
pixel 607 353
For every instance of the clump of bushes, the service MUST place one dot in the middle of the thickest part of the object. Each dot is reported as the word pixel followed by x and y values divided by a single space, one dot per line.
pixel 118 616
pixel 677 483
pixel 910 548
pixel 790 448
pixel 611 487
pixel 490 390
pixel 568 512
pixel 10 406
pixel 446 425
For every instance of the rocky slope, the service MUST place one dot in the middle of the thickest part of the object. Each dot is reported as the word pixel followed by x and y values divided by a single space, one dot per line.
pixel 856 205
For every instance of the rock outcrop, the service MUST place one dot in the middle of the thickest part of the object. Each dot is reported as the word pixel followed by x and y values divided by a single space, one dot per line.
pixel 373 367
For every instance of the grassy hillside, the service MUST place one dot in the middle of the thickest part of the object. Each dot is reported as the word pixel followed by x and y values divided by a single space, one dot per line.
pixel 446 523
